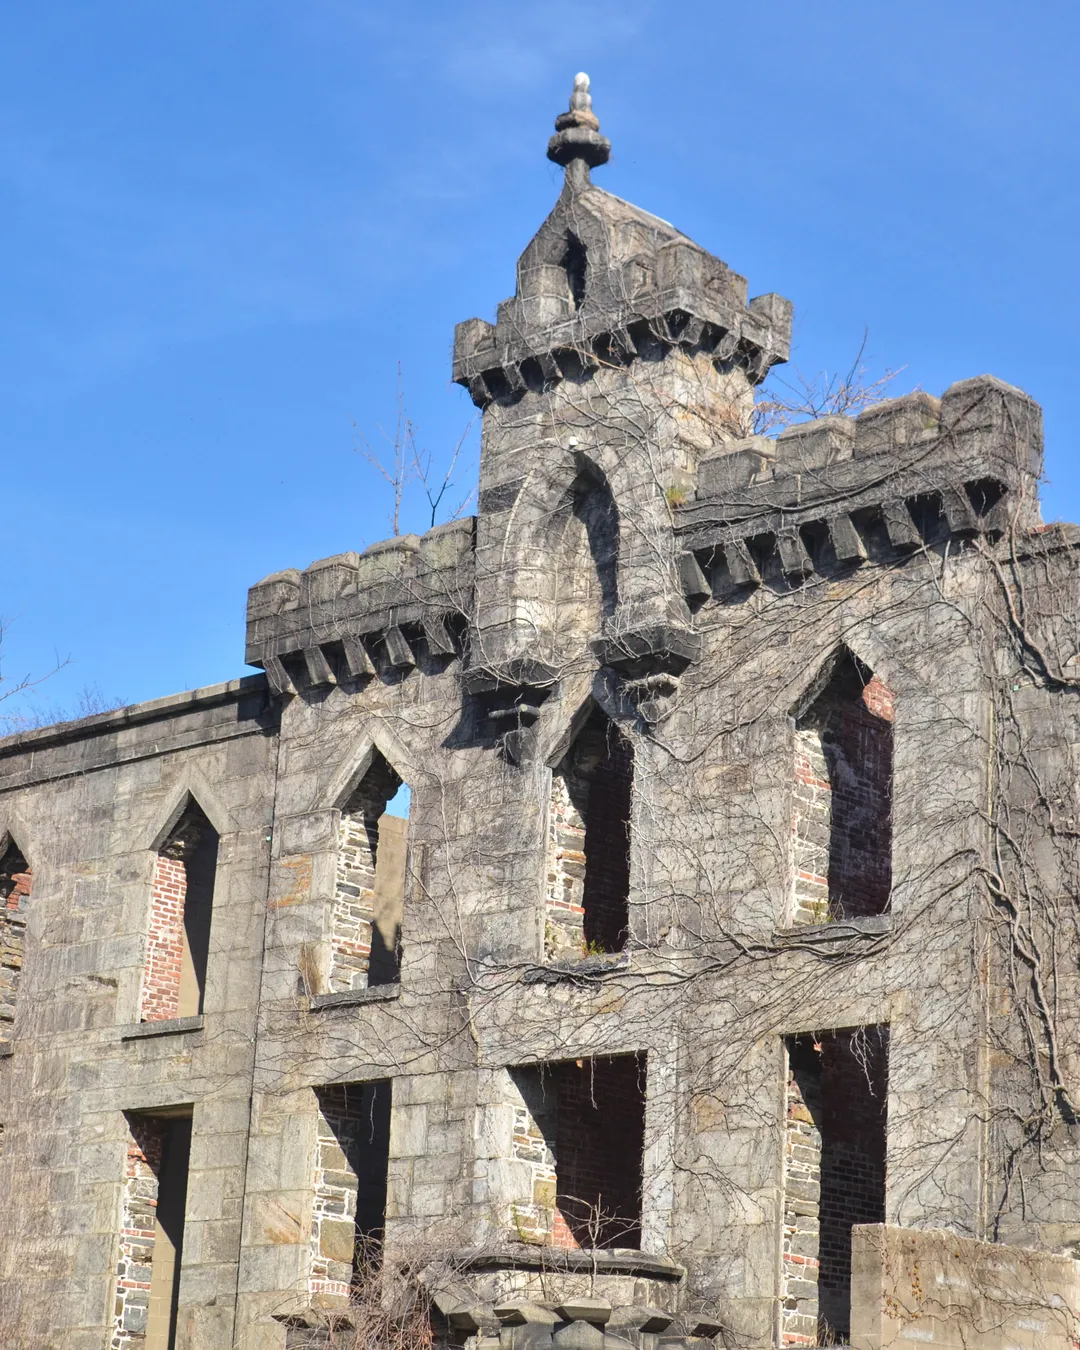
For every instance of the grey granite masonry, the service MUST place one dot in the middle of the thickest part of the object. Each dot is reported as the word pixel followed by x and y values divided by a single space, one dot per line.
pixel 736 909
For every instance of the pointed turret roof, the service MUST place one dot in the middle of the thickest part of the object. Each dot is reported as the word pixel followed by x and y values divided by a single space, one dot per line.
pixel 602 280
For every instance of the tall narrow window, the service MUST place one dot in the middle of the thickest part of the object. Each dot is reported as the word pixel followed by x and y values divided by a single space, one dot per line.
pixel 351 1165
pixel 174 979
pixel 152 1232
pixel 369 896
pixel 575 261
pixel 579 1131
pixel 834 1174
pixel 15 882
pixel 842 822
pixel 588 876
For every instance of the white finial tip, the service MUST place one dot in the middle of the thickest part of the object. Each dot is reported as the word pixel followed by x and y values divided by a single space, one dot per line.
pixel 581 81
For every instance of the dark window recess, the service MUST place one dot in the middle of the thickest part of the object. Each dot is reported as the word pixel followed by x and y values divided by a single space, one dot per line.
pixel 15 882
pixel 843 797
pixel 350 1179
pixel 589 843
pixel 836 1152
pixel 589 1115
pixel 575 261
pixel 152 1240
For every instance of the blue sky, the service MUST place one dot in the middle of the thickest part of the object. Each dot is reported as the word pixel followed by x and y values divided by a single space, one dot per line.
pixel 224 224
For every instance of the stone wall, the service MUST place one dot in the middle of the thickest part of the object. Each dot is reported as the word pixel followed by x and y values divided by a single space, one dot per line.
pixel 94 800
pixel 936 1288
pixel 646 595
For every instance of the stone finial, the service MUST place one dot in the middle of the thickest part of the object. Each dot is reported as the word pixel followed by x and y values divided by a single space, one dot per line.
pixel 577 144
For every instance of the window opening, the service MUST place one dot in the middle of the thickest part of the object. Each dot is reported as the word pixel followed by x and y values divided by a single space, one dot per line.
pixel 352 1161
pixel 575 263
pixel 842 823
pixel 588 876
pixel 174 978
pixel 369 895
pixel 152 1241
pixel 579 1131
pixel 834 1174
pixel 15 882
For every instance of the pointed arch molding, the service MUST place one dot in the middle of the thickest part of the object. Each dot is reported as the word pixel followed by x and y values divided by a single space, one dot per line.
pixel 543 491
pixel 569 715
pixel 356 764
pixel 866 653
pixel 191 786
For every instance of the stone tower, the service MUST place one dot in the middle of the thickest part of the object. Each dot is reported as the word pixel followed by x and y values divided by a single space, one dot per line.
pixel 714 981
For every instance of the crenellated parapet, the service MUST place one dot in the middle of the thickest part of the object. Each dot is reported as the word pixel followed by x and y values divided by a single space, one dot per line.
pixel 838 492
pixel 657 290
pixel 343 617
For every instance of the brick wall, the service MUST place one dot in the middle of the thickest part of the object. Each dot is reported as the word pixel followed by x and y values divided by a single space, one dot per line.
pixel 842 799
pixel 834 1174
pixel 854 1072
pixel 580 1127
pixel 165 943
pixel 15 882
pixel 356 883
pixel 181 899
pixel 588 873
pixel 351 1161
pixel 599 1151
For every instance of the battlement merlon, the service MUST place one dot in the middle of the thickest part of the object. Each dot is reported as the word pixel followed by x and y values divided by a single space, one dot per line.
pixel 342 615
pixel 967 463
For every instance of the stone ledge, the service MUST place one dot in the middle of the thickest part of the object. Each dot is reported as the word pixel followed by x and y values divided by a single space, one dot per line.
pixel 588 968
pixel 348 998
pixel 836 930
pixel 172 1026
pixel 617 1261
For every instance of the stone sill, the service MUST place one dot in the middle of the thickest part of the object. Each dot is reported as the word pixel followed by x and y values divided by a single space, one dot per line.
pixel 171 1026
pixel 588 968
pixel 837 930
pixel 614 1261
pixel 349 998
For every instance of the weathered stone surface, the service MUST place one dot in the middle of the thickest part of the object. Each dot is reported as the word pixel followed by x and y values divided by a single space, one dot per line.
pixel 782 706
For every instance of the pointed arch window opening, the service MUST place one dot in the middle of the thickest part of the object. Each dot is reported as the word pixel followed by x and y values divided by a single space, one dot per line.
pixel 369 890
pixel 16 880
pixel 575 262
pixel 842 798
pixel 587 908
pixel 181 911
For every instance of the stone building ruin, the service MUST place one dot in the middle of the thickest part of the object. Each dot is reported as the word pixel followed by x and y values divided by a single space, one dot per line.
pixel 717 984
